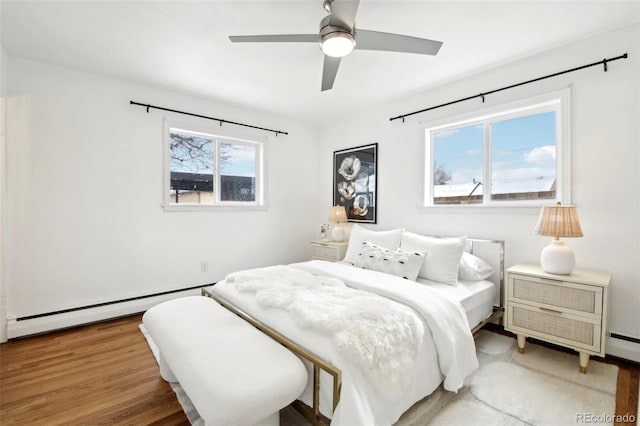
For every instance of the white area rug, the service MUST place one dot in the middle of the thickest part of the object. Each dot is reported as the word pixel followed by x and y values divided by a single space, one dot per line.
pixel 541 387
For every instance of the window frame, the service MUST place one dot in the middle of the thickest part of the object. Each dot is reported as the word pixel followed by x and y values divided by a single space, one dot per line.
pixel 558 101
pixel 220 135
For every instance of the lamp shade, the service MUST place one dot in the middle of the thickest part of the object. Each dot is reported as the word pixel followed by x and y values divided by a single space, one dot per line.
pixel 558 221
pixel 337 214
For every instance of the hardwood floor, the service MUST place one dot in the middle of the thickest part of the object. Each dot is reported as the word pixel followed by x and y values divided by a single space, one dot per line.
pixel 105 374
pixel 100 374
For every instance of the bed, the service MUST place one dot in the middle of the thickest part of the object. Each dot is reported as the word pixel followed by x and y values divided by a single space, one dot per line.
pixel 363 377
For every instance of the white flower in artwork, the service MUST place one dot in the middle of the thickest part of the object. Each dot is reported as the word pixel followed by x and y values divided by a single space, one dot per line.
pixel 350 167
pixel 347 189
pixel 361 205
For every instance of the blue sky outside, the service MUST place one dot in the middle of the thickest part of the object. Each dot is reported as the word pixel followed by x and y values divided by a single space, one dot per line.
pixel 241 160
pixel 522 148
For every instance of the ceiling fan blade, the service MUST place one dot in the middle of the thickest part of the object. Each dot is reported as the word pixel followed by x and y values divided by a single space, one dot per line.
pixel 329 71
pixel 345 11
pixel 276 38
pixel 374 40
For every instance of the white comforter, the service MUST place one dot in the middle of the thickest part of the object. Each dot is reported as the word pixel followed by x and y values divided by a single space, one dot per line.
pixel 378 335
pixel 447 349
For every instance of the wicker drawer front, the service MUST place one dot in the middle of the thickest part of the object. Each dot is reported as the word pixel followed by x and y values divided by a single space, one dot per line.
pixel 583 298
pixel 325 252
pixel 555 327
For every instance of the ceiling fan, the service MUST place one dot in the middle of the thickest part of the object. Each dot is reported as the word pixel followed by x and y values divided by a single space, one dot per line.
pixel 338 37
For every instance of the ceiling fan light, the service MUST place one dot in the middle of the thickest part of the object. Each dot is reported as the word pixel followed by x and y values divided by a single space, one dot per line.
pixel 337 44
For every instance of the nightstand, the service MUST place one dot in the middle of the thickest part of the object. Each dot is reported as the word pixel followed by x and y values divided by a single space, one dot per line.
pixel 332 251
pixel 568 310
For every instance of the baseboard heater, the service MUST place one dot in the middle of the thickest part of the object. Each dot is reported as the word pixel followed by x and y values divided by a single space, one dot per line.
pixel 622 346
pixel 55 320
pixel 623 337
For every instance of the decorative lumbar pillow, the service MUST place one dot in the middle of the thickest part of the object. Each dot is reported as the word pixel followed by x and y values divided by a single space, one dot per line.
pixel 385 239
pixel 400 263
pixel 443 255
pixel 472 268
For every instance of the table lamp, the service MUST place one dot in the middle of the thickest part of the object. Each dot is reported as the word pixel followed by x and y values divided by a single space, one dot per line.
pixel 558 221
pixel 338 215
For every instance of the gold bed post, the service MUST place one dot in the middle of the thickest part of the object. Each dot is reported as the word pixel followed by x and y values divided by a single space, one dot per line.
pixel 316 391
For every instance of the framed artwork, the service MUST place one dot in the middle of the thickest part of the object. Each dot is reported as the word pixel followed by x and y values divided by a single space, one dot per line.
pixel 355 182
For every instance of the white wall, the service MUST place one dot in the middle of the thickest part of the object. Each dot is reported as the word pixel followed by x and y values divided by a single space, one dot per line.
pixel 605 159
pixel 85 173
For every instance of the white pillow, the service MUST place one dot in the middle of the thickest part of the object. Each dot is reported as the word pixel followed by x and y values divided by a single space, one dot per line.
pixel 403 264
pixel 386 239
pixel 472 268
pixel 443 255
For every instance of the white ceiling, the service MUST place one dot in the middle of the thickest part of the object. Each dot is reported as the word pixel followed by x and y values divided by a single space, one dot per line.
pixel 183 45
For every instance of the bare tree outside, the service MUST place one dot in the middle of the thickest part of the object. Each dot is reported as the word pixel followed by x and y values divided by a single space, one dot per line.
pixel 194 153
pixel 440 175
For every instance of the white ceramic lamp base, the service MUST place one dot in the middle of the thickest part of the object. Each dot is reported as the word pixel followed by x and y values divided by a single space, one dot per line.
pixel 337 233
pixel 556 258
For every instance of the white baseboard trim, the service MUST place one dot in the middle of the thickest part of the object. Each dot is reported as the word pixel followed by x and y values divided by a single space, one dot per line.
pixel 623 349
pixel 22 328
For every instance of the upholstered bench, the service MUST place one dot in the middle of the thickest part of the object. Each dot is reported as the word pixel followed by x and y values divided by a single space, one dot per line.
pixel 233 373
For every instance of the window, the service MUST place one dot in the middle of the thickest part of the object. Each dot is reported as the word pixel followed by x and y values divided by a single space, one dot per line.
pixel 207 169
pixel 510 156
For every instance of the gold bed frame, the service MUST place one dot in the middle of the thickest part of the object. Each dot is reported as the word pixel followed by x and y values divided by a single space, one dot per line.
pixel 312 414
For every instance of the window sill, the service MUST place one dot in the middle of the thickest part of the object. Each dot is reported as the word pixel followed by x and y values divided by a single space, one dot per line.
pixel 170 208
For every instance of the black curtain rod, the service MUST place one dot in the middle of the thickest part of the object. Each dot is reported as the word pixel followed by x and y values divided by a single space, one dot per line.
pixel 220 120
pixel 482 95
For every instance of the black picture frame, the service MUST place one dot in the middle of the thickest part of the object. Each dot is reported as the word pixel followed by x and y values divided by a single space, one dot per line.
pixel 355 182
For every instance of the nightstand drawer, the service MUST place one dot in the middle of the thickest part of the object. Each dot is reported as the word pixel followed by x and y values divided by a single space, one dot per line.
pixel 555 326
pixel 566 296
pixel 330 250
